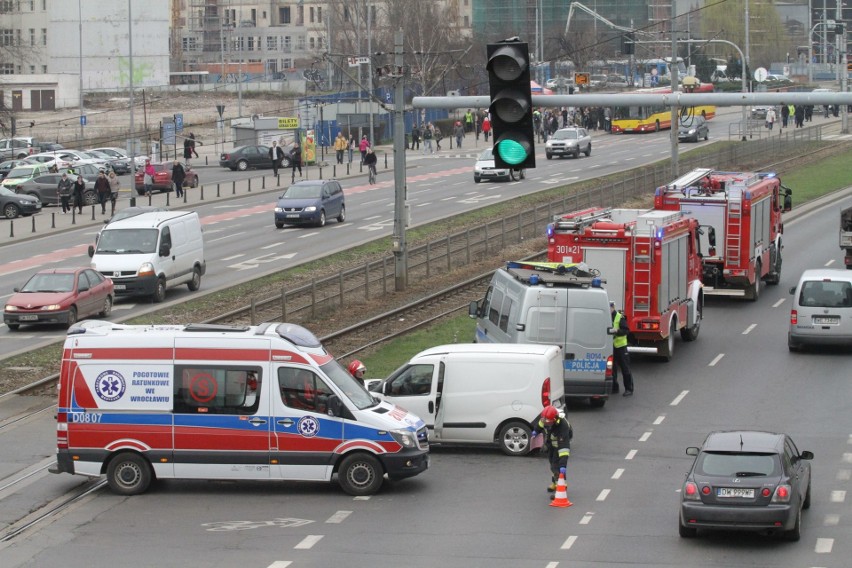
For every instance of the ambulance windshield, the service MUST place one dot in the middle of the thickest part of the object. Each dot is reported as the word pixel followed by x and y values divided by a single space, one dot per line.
pixel 350 386
pixel 127 241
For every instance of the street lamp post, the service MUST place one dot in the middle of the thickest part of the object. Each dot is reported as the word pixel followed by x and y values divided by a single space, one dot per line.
pixel 80 10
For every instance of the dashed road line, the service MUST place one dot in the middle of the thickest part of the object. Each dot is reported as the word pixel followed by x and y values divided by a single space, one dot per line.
pixel 844 474
pixel 309 541
pixel 308 235
pixel 338 517
pixel 631 454
pixel 569 542
pixel 644 437
pixel 831 520
pixel 847 457
pixel 280 564
pixel 716 359
pixel 618 473
pixel 838 496
pixel 829 263
pixel 362 498
pixel 824 545
pixel 679 398
pixel 779 302
pixel 749 329
pixel 602 495
pixel 586 518
pixel 659 420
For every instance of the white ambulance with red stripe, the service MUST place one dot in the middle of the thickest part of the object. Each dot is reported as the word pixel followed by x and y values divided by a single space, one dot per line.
pixel 268 402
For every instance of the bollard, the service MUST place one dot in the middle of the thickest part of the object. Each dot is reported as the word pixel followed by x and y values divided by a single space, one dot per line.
pixel 334 171
pixel 217 190
pixel 202 193
pixel 320 171
pixel 386 161
pixel 33 218
pixel 53 220
pixel 206 162
pixel 168 198
pixel 263 182
pixel 150 198
pixel 249 186
pixel 12 229
pixel 347 168
pixel 184 195
pixel 74 215
pixel 93 212
pixel 278 180
pixel 234 187
pixel 133 201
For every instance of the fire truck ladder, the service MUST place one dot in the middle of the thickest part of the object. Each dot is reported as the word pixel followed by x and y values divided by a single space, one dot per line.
pixel 642 260
pixel 581 219
pixel 733 231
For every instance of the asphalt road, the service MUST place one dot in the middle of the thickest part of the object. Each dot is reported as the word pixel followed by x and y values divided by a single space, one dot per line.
pixel 242 242
pixel 476 508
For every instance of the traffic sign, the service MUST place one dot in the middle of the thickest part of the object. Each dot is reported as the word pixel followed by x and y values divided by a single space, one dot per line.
pixel 178 122
pixel 169 138
pixel 581 79
pixel 760 74
pixel 83 120
pixel 356 61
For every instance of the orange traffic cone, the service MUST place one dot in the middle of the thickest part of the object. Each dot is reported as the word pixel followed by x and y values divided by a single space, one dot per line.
pixel 561 497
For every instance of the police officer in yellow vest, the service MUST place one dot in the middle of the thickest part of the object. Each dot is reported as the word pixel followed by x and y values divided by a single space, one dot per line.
pixel 621 359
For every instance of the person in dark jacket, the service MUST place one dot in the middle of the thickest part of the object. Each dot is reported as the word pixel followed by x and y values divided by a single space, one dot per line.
pixel 187 149
pixel 178 177
pixel 276 154
pixel 103 190
pixel 557 432
pixel 296 158
pixel 64 190
pixel 620 357
pixel 78 189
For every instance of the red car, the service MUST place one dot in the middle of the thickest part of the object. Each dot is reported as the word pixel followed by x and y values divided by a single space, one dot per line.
pixel 60 296
pixel 163 177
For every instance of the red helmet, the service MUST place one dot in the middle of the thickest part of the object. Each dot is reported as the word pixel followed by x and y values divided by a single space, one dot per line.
pixel 356 366
pixel 549 414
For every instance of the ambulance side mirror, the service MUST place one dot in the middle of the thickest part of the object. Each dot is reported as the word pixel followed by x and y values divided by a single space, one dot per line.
pixel 335 407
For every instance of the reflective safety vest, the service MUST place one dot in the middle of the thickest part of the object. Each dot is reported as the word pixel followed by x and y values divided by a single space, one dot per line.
pixel 618 340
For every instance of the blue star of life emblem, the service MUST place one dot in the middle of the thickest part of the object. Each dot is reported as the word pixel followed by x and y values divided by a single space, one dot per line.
pixel 308 426
pixel 110 386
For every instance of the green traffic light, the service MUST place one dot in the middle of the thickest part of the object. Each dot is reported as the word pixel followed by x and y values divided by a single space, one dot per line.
pixel 512 152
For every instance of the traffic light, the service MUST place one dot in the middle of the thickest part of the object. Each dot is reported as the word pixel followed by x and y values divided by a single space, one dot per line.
pixel 511 104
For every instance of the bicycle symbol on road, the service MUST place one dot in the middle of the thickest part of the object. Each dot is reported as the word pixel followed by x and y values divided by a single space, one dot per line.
pixel 220 526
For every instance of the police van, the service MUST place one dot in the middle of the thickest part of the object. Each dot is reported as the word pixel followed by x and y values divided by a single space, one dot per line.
pixel 139 403
pixel 553 304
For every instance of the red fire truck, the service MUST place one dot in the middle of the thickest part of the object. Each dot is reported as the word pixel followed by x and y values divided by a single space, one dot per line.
pixel 741 226
pixel 651 263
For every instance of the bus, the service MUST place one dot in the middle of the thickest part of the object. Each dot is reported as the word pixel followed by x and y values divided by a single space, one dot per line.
pixel 652 118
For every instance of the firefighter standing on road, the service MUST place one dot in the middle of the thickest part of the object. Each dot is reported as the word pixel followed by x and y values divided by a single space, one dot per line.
pixel 621 359
pixel 557 439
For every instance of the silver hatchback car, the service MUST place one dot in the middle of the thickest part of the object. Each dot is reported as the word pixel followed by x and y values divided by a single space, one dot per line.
pixel 568 142
pixel 822 309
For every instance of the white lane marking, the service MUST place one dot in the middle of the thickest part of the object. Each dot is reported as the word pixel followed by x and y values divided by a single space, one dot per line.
pixel 338 517
pixel 831 520
pixel 226 259
pixel 824 545
pixel 362 498
pixel 847 457
pixel 371 218
pixel 273 245
pixel 424 204
pixel 631 454
pixel 308 235
pixel 552 565
pixel 716 359
pixel 849 439
pixel 778 303
pixel 659 420
pixel 678 398
pixel 618 473
pixel 586 518
pixel 844 474
pixel 449 198
pixel 602 495
pixel 280 564
pixel 225 237
pixel 309 541
pixel 749 328
pixel 644 437
pixel 830 262
pixel 838 496
pixel 569 542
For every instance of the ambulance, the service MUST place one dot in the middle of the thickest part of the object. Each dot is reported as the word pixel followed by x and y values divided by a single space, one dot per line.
pixel 139 403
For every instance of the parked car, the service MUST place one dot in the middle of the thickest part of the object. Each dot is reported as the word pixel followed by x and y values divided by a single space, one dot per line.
pixel 616 81
pixel 569 141
pixel 6 167
pixel 163 178
pixel 779 79
pixel 746 480
pixel 59 296
pixel 310 202
pixel 44 187
pixel 246 157
pixel 694 130
pixel 49 159
pixel 23 173
pixel 49 146
pixel 597 81
pixel 486 168
pixel 123 154
pixel 12 204
pixel 120 166
pixel 18 147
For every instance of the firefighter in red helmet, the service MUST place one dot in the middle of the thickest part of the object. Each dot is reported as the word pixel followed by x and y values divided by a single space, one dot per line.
pixel 357 370
pixel 557 440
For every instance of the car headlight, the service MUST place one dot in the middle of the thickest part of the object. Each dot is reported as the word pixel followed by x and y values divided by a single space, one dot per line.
pixel 147 269
pixel 310 209
pixel 691 131
pixel 51 307
pixel 10 308
pixel 404 438
pixel 279 210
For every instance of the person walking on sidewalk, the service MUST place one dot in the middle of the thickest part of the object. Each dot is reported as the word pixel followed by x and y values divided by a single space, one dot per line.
pixel 415 138
pixel 340 146
pixel 64 191
pixel 187 150
pixel 276 154
pixel 438 137
pixel 296 159
pixel 78 189
pixel 459 132
pixel 557 433
pixel 103 190
pixel 193 142
pixel 114 187
pixel 352 145
pixel 178 177
pixel 363 147
pixel 427 138
pixel 486 126
pixel 621 359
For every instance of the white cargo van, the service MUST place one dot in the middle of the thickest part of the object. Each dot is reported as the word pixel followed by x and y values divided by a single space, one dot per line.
pixel 553 304
pixel 822 309
pixel 478 393
pixel 142 402
pixel 146 254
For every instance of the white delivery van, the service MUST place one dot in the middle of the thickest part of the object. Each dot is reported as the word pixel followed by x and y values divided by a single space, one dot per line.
pixel 553 304
pixel 822 309
pixel 148 253
pixel 139 403
pixel 478 393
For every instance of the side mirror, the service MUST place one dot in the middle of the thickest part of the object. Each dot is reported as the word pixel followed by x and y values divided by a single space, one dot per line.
pixel 335 407
pixel 711 236
pixel 793 290
pixel 806 455
pixel 692 451
pixel 165 250
pixel 473 309
pixel 91 251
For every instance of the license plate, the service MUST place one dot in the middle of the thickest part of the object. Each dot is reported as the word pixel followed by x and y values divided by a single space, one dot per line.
pixel 28 317
pixel 293 216
pixel 825 320
pixel 736 492
pixel 120 287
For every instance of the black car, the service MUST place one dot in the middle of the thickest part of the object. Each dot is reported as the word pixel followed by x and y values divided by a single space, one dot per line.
pixel 694 130
pixel 12 204
pixel 246 157
pixel 746 480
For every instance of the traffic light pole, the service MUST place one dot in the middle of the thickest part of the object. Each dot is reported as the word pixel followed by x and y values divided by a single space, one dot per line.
pixel 400 251
pixel 675 121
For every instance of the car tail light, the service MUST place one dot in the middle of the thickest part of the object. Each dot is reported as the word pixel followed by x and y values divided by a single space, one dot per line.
pixel 794 317
pixel 690 491
pixel 765 492
pixel 782 494
pixel 545 392
pixel 62 430
pixel 608 374
pixel 226 157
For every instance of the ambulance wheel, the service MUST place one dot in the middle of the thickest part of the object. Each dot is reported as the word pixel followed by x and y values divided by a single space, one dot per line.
pixel 129 474
pixel 753 291
pixel 160 291
pixel 195 283
pixel 515 438
pixel 360 474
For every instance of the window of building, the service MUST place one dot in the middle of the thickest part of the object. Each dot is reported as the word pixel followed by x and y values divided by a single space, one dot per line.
pixel 319 14
pixel 288 44
pixel 7 68
pixel 311 43
pixel 467 21
pixel 7 6
pixel 271 43
pixel 250 43
pixel 284 15
pixel 300 43
pixel 32 36
pixel 346 16
pixel 312 15
pixel 44 68
pixel 190 44
pixel 32 69
pixel 319 43
pixel 7 37
pixel 217 389
pixel 44 36
pixel 287 63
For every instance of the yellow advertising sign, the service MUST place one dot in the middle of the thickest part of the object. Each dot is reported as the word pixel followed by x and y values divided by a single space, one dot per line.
pixel 581 78
pixel 285 122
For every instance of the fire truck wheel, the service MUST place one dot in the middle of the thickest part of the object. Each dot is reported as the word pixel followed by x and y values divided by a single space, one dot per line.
pixel 360 474
pixel 753 292
pixel 128 474
pixel 690 333
pixel 667 346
